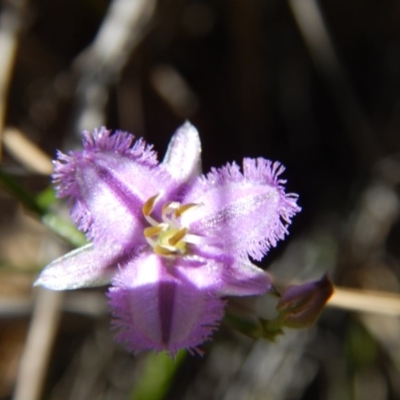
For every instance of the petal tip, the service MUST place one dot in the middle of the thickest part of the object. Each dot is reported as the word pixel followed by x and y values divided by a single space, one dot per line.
pixel 182 158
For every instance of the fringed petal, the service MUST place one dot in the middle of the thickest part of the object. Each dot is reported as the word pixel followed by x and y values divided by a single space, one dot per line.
pixel 107 183
pixel 122 143
pixel 87 266
pixel 155 307
pixel 244 213
pixel 183 156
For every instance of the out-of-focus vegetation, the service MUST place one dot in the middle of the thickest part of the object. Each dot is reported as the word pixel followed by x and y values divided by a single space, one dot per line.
pixel 315 85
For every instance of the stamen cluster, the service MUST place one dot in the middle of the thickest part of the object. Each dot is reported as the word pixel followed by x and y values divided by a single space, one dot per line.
pixel 167 238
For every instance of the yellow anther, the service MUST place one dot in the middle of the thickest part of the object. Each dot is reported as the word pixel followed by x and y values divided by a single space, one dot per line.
pixel 184 208
pixel 153 230
pixel 173 240
pixel 148 206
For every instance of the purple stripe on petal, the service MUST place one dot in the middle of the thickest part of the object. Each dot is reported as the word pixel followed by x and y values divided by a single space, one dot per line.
pixel 156 308
pixel 106 208
pixel 130 200
pixel 108 190
pixel 166 300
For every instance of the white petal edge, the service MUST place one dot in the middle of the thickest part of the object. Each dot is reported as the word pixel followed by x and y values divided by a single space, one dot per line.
pixel 183 156
pixel 86 266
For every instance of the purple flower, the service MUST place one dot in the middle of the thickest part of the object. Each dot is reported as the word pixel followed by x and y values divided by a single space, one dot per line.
pixel 171 241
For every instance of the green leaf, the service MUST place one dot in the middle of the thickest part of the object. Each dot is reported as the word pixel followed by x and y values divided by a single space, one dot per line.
pixel 64 229
pixel 46 198
pixel 20 193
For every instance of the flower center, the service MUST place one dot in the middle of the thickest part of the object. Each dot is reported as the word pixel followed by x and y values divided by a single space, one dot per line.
pixel 168 237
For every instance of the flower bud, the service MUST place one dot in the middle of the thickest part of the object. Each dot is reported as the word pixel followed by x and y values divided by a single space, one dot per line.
pixel 301 305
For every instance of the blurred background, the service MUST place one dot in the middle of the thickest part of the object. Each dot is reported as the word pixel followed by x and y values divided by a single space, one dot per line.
pixel 315 85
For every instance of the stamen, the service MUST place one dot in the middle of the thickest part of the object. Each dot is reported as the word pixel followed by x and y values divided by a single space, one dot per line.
pixel 184 208
pixel 168 238
pixel 173 240
pixel 154 230
pixel 167 211
pixel 169 207
pixel 148 206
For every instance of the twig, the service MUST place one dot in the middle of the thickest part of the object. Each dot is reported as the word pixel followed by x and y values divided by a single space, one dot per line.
pixel 174 90
pixel 10 26
pixel 366 301
pixel 42 331
pixel 26 152
pixel 90 304
pixel 100 64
